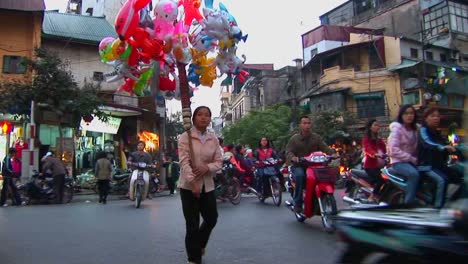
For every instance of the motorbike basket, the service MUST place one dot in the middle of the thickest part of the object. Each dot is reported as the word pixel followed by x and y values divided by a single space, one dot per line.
pixel 325 174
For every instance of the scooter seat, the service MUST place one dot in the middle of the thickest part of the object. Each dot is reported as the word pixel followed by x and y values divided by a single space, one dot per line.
pixel 395 174
pixel 360 173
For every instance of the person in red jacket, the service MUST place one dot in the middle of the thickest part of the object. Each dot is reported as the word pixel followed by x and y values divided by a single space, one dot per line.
pixel 374 152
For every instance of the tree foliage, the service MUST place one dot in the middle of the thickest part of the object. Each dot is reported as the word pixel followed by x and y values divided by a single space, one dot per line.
pixel 273 123
pixel 53 88
pixel 332 124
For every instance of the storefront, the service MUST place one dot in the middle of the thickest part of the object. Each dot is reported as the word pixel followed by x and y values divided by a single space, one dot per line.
pixel 96 136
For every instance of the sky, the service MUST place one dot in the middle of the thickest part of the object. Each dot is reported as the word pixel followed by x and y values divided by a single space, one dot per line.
pixel 274 31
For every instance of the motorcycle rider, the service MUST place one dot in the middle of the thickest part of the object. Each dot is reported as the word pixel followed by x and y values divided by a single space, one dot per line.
pixel 403 151
pixel 374 151
pixel 139 156
pixel 300 145
pixel 263 152
pixel 433 150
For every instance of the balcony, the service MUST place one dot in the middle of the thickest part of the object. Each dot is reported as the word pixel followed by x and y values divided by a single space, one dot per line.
pixel 367 12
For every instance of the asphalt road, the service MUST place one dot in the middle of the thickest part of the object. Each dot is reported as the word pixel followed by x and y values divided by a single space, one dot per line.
pixel 88 232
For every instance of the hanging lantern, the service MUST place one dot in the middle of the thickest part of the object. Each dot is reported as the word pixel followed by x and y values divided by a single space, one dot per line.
pixel 87 118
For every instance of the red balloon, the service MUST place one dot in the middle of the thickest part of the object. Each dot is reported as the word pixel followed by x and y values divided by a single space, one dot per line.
pixel 139 4
pixel 166 84
pixel 150 48
pixel 127 20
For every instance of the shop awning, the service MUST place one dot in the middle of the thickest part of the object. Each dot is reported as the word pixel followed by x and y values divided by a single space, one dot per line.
pixel 405 63
pixel 111 126
pixel 364 96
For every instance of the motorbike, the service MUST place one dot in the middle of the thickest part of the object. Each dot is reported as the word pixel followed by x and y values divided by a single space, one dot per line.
pixel 395 183
pixel 392 234
pixel 272 187
pixel 358 185
pixel 318 190
pixel 139 182
pixel 118 184
pixel 231 190
pixel 39 189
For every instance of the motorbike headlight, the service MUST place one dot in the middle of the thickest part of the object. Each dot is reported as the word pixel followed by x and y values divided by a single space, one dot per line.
pixel 141 165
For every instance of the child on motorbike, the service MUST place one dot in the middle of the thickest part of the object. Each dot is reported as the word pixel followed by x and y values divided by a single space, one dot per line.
pixel 402 149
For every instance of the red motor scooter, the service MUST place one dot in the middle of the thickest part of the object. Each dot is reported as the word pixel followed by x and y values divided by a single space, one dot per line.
pixel 318 190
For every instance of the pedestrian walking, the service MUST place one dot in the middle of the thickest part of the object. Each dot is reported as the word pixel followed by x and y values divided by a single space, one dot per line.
pixel 102 172
pixel 196 182
pixel 9 180
pixel 172 173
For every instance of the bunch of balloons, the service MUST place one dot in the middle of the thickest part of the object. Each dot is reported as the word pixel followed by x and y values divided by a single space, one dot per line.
pixel 181 31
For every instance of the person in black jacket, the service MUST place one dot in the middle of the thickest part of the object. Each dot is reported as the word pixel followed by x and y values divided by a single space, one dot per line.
pixel 433 151
pixel 8 180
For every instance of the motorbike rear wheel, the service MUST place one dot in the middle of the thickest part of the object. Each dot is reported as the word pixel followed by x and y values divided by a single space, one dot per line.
pixel 276 192
pixel 328 207
pixel 234 191
pixel 138 195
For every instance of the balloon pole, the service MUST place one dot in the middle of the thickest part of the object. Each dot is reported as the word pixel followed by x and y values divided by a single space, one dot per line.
pixel 185 101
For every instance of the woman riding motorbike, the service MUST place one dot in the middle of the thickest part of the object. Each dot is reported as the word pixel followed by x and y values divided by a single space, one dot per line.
pixel 264 151
pixel 402 149
pixel 374 151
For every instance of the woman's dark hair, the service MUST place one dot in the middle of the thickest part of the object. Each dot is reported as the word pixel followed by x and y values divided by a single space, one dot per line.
pixel 141 142
pixel 268 142
pixel 239 148
pixel 11 150
pixel 369 130
pixel 230 147
pixel 100 155
pixel 197 110
pixel 402 110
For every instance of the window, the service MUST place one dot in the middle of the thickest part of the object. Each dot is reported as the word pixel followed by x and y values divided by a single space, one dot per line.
pixel 436 19
pixel 443 100
pixel 457 101
pixel 458 17
pixel 98 76
pixel 313 52
pixel 411 98
pixel 370 105
pixel 429 55
pixel 13 64
pixel 414 53
pixel 443 57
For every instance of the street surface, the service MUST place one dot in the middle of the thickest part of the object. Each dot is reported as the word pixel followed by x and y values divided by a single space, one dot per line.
pixel 85 231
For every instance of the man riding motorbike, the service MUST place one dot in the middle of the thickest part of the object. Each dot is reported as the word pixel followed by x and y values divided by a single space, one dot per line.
pixel 139 156
pixel 300 145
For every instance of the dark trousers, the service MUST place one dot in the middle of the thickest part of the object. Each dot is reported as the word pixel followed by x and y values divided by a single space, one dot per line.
pixel 8 182
pixel 59 186
pixel 197 235
pixel 171 183
pixel 103 187
pixel 377 180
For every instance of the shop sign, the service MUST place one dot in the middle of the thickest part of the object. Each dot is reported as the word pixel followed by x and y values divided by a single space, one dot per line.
pixel 111 126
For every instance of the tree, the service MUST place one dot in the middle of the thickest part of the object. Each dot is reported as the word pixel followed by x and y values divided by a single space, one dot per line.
pixel 273 123
pixel 53 88
pixel 332 124
pixel 174 127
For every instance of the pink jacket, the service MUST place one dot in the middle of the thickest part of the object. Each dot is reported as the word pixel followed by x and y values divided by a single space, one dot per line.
pixel 402 144
pixel 207 152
